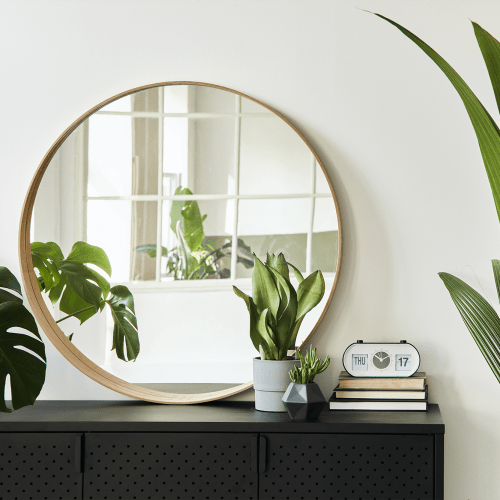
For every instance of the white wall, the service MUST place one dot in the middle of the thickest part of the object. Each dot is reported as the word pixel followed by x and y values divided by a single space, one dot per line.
pixel 393 135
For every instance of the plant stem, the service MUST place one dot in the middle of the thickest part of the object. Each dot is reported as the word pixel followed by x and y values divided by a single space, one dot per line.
pixel 74 314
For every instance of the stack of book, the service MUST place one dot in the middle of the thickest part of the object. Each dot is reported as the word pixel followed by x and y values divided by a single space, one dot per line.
pixel 378 393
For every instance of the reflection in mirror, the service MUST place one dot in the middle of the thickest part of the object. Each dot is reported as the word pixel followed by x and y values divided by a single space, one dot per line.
pixel 180 185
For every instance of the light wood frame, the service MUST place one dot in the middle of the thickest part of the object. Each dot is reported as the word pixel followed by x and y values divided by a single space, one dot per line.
pixel 45 318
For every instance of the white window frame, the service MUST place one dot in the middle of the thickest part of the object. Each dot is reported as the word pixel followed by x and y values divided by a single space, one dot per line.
pixel 190 285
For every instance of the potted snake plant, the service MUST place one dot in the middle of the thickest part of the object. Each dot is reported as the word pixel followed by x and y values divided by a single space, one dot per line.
pixel 276 312
pixel 303 399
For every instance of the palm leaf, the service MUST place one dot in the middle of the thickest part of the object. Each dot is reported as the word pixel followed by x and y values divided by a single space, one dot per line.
pixel 487 132
pixel 496 272
pixel 480 318
pixel 490 48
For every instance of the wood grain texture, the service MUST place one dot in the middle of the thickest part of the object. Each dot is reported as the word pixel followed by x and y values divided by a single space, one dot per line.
pixel 45 318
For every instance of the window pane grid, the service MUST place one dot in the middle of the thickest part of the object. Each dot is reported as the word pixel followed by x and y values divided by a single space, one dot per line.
pixel 160 197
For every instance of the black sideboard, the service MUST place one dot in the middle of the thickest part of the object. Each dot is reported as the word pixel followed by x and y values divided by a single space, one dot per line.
pixel 121 450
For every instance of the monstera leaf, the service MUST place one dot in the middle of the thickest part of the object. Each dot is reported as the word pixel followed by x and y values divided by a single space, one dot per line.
pixel 125 334
pixel 22 356
pixel 81 291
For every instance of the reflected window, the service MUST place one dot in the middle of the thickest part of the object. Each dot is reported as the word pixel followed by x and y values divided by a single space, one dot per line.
pixel 187 182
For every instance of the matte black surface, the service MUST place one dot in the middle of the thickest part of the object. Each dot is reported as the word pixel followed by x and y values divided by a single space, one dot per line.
pixel 130 450
pixel 136 416
pixel 348 467
pixel 39 467
pixel 304 401
pixel 170 466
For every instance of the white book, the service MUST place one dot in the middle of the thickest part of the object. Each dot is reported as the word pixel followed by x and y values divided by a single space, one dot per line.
pixel 379 405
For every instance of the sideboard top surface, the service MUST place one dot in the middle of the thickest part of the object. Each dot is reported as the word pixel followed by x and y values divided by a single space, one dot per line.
pixel 219 416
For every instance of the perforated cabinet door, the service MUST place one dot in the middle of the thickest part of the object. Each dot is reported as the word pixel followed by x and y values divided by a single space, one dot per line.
pixel 346 467
pixel 175 466
pixel 42 466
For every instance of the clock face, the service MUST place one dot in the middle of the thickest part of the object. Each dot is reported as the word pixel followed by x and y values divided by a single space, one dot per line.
pixel 381 360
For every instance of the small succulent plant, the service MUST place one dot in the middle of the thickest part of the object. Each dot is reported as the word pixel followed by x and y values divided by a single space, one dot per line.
pixel 310 366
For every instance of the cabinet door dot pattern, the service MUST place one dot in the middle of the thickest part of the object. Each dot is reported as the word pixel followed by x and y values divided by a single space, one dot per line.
pixel 177 466
pixel 39 466
pixel 348 467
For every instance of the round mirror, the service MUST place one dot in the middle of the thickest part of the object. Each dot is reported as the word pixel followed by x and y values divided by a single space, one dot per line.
pixel 167 191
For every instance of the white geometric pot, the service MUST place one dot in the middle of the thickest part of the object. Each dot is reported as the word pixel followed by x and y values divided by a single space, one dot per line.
pixel 270 381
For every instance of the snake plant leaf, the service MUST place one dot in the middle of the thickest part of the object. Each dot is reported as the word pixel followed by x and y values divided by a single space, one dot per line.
pixel 264 291
pixel 268 346
pixel 89 254
pixel 254 317
pixel 490 48
pixel 496 272
pixel 479 317
pixel 295 331
pixel 271 260
pixel 125 331
pixel 188 213
pixel 487 132
pixel 297 273
pixel 310 293
pixel 21 356
pixel 282 266
pixel 287 311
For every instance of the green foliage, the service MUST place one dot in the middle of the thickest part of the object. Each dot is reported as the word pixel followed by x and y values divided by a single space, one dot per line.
pixel 310 366
pixel 22 356
pixel 276 309
pixel 82 292
pixel 195 256
pixel 479 316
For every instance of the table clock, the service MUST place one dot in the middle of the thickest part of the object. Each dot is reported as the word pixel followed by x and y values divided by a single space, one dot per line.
pixel 368 359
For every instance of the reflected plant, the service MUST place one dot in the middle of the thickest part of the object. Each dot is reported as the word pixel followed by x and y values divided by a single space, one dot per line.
pixel 195 257
pixel 276 308
pixel 81 292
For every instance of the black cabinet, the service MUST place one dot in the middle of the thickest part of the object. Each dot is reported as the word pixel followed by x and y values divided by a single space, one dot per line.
pixel 220 451
pixel 347 466
pixel 161 466
pixel 36 466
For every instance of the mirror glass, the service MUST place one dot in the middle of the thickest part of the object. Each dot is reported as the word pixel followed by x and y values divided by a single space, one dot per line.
pixel 245 182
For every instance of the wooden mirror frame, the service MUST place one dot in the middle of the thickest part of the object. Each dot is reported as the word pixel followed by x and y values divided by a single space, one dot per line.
pixel 45 318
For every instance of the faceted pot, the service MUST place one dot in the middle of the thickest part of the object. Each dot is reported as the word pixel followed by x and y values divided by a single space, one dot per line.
pixel 270 380
pixel 304 401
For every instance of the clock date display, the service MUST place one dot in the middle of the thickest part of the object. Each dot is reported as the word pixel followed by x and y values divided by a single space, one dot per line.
pixel 403 362
pixel 360 362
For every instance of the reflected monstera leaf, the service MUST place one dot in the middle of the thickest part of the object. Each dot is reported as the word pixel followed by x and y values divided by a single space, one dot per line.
pixel 22 356
pixel 125 333
pixel 82 292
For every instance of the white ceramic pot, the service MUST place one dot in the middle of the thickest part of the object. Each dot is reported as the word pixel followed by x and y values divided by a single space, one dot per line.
pixel 270 381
